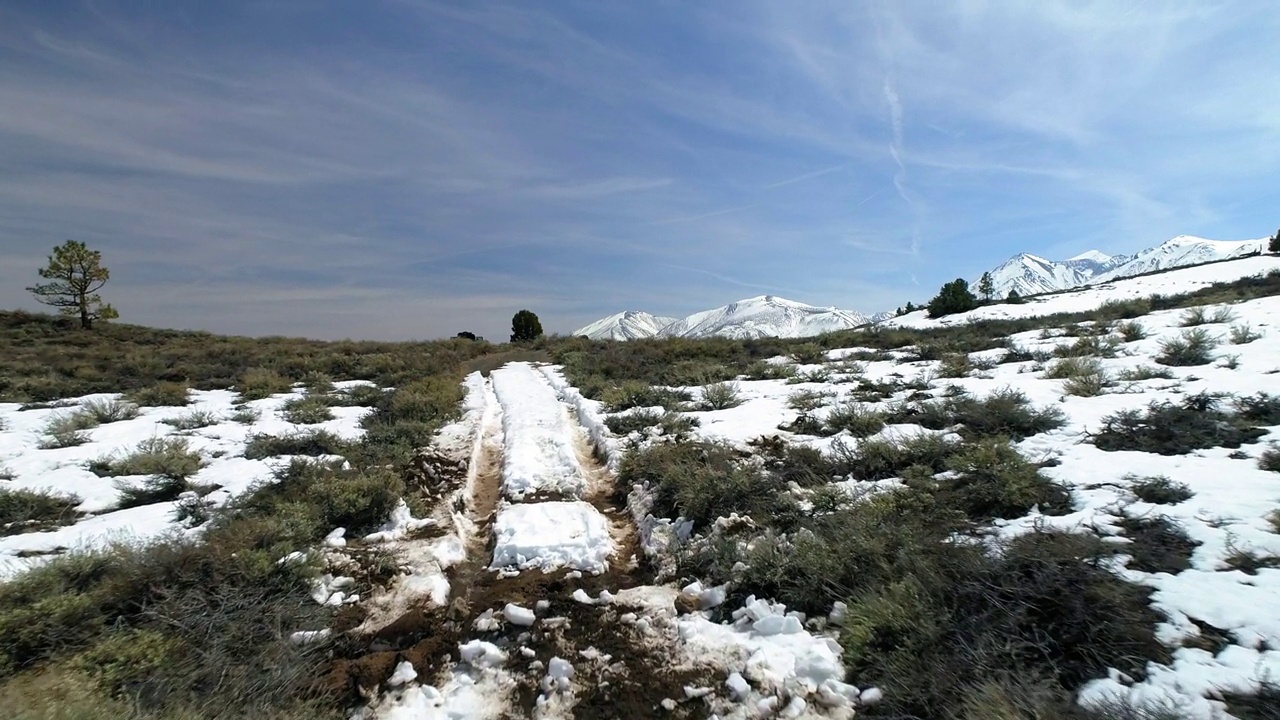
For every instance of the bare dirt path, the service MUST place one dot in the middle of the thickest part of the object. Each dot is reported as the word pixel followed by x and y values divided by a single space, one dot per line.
pixel 619 669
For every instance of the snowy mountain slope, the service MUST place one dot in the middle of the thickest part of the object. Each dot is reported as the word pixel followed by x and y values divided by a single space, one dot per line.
pixel 762 316
pixel 1031 274
pixel 627 325
pixel 1091 296
pixel 1182 251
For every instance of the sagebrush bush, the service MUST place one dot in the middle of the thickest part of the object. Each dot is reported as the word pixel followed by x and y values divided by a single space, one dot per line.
pixel 1243 335
pixel 1157 543
pixel 635 394
pixel 193 420
pixel 808 400
pixel 808 353
pixel 169 457
pixel 1193 347
pixel 1006 412
pixel 1270 459
pixel 23 510
pixel 162 394
pixel 1250 561
pixel 702 481
pixel 307 410
pixel 1131 331
pixel 1260 408
pixel 307 442
pixel 857 419
pixel 1159 490
pixel 245 415
pixel 316 382
pixel 883 458
pixel 1088 346
pixel 1144 372
pixel 260 383
pixel 639 419
pixel 1176 429
pixel 993 480
pixel 721 396
pixel 764 370
pixel 104 411
pixel 1084 376
pixel 955 365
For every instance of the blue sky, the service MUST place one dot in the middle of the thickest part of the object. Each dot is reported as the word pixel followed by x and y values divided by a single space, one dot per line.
pixel 404 169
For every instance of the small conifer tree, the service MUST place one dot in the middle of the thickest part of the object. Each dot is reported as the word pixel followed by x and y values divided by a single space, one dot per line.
pixel 1274 246
pixel 525 327
pixel 954 297
pixel 77 274
pixel 986 287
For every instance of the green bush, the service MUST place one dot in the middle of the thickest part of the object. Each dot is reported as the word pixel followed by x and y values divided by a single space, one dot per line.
pixel 307 410
pixel 317 383
pixel 992 480
pixel 1193 347
pixel 1175 429
pixel 1088 346
pixel 702 481
pixel 1259 408
pixel 721 396
pixel 307 442
pixel 857 419
pixel 1243 335
pixel 808 353
pixel 34 510
pixel 245 415
pixel 108 411
pixel 1145 372
pixel 808 400
pixel 764 370
pixel 1270 459
pixel 193 420
pixel 1131 331
pixel 162 394
pixel 1201 316
pixel 884 458
pixel 1006 412
pixel 168 457
pixel 1159 490
pixel 1157 544
pixel 260 383
pixel 635 394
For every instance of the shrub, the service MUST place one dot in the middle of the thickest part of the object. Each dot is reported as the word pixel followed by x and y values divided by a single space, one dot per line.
pixel 1193 347
pixel 317 383
pixel 808 400
pixel 954 297
pixel 636 420
pixel 1250 562
pixel 1159 490
pixel 1123 309
pixel 245 415
pixel 1270 459
pixel 993 480
pixel 260 383
pixel 525 327
pixel 857 419
pixel 1084 377
pixel 193 420
pixel 702 481
pixel 764 370
pixel 162 394
pixel 1089 345
pixel 1157 544
pixel 955 365
pixel 308 442
pixel 1169 429
pixel 34 510
pixel 406 418
pixel 307 410
pixel 883 458
pixel 359 396
pixel 1243 335
pixel 66 430
pixel 721 396
pixel 1259 408
pixel 1145 372
pixel 808 353
pixel 636 394
pixel 1005 412
pixel 1131 331
pixel 1195 316
pixel 108 411
pixel 817 375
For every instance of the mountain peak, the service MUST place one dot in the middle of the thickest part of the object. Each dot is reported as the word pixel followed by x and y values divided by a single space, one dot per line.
pixel 1092 256
pixel 753 317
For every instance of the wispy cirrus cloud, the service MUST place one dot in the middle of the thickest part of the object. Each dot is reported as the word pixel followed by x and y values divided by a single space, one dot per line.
pixel 417 167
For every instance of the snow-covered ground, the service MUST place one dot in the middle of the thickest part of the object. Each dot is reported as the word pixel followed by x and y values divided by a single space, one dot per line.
pixel 64 470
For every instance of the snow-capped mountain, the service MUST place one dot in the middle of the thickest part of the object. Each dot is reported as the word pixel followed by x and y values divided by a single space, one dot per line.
pixel 762 316
pixel 627 325
pixel 1032 275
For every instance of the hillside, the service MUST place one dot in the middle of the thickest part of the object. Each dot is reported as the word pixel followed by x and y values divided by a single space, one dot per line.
pixel 757 317
pixel 1063 509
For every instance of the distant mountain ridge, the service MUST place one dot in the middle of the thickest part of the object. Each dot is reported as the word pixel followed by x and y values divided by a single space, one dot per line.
pixel 1032 275
pixel 756 317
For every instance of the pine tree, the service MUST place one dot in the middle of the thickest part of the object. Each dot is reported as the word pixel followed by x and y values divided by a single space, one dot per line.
pixel 1274 246
pixel 986 287
pixel 1014 298
pixel 525 327
pixel 954 297
pixel 77 274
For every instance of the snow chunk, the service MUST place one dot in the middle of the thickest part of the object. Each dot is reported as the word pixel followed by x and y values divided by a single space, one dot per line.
pixel 517 615
pixel 404 673
pixel 481 654
pixel 551 535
